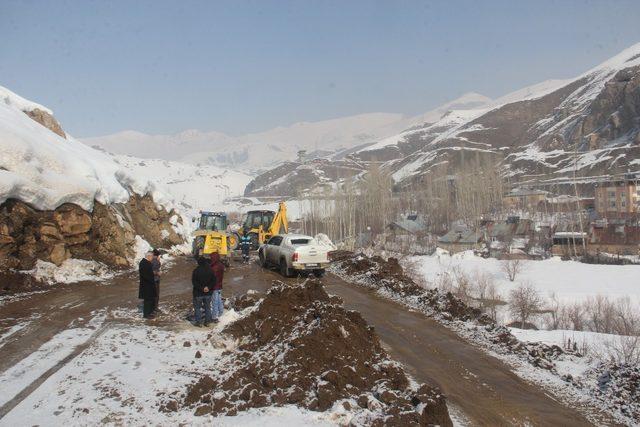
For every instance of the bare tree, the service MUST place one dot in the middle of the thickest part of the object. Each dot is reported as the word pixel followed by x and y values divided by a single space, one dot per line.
pixel 622 350
pixel 524 302
pixel 555 311
pixel 512 267
pixel 493 300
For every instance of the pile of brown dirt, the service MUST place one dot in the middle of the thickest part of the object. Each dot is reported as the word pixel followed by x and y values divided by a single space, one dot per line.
pixel 300 346
pixel 388 276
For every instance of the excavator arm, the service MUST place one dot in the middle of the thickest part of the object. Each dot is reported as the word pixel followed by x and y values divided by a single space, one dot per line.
pixel 280 224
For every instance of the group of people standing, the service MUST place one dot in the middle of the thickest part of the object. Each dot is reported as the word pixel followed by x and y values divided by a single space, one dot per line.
pixel 207 289
pixel 149 290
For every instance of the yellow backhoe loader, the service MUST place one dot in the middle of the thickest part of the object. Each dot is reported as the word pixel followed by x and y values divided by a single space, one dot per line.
pixel 212 236
pixel 261 225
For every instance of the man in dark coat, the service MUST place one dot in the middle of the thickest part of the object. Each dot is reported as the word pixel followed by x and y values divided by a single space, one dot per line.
pixel 217 267
pixel 203 281
pixel 156 264
pixel 147 285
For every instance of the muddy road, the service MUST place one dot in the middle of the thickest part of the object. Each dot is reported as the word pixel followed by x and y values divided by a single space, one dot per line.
pixel 481 387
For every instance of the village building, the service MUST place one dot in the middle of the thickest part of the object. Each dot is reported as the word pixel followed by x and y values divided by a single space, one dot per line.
pixel 568 203
pixel 615 239
pixel 513 235
pixel 569 239
pixel 460 239
pixel 412 224
pixel 524 199
pixel 617 199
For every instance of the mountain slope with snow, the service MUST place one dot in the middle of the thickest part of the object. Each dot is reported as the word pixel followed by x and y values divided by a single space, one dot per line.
pixel 60 199
pixel 539 133
pixel 257 151
pixel 591 121
pixel 45 170
pixel 191 187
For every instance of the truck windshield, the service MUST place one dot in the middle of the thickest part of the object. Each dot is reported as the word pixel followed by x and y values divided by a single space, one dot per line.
pixel 211 222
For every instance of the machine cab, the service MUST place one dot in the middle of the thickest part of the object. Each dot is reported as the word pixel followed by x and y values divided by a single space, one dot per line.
pixel 255 219
pixel 212 221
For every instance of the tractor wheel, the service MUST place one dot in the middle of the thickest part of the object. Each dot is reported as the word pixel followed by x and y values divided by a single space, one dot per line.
pixel 234 241
pixel 254 241
pixel 198 246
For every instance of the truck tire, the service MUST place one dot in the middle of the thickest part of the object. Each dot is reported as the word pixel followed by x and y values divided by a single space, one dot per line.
pixel 263 260
pixel 284 268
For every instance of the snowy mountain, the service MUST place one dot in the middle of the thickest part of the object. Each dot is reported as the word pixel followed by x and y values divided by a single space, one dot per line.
pixel 545 131
pixel 61 199
pixel 191 187
pixel 263 150
pixel 590 124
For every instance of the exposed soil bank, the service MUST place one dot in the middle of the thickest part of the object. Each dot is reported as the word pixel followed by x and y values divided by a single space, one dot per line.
pixel 107 234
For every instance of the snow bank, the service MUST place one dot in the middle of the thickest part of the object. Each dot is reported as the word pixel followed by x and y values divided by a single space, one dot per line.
pixel 45 170
pixel 324 241
pixel 71 271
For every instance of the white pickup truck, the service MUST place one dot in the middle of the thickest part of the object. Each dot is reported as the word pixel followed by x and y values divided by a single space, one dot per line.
pixel 293 254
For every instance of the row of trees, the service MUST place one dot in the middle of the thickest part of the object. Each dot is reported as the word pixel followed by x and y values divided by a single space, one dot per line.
pixel 368 204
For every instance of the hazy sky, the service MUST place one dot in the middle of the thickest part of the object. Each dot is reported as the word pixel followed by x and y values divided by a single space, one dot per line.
pixel 244 66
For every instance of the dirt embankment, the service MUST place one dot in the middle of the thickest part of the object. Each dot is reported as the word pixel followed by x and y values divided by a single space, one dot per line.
pixel 107 234
pixel 388 277
pixel 300 346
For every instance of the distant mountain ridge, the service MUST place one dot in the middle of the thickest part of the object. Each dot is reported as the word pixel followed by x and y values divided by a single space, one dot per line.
pixel 542 134
pixel 263 150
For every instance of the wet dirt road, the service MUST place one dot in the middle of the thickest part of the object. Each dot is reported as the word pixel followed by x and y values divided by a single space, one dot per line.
pixel 480 386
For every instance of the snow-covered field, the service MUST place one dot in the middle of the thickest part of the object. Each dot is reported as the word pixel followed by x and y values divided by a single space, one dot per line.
pixel 571 281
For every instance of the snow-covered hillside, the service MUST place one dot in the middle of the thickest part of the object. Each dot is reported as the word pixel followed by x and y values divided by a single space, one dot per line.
pixel 538 128
pixel 62 200
pixel 538 133
pixel 191 187
pixel 256 151
pixel 45 170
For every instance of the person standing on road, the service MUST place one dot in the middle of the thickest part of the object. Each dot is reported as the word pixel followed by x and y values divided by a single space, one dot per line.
pixel 203 281
pixel 217 267
pixel 156 265
pixel 245 246
pixel 147 289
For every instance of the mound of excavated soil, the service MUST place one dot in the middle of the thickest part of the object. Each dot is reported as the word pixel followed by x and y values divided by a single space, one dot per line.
pixel 300 346
pixel 387 275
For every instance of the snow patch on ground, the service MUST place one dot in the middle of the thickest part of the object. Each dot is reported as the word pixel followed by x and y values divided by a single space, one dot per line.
pixel 71 271
pixel 19 376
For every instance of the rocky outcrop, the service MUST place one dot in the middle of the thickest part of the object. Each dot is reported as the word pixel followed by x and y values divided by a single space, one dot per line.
pixel 46 120
pixel 107 234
